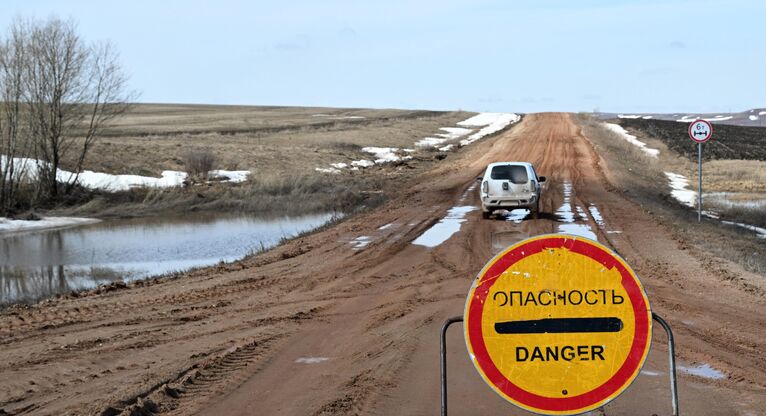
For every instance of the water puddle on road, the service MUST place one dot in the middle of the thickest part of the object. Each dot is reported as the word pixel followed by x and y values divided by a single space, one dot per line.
pixel 702 370
pixel 311 360
pixel 566 215
pixel 445 228
pixel 39 264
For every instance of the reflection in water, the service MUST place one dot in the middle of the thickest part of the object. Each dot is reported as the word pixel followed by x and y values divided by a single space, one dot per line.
pixel 39 264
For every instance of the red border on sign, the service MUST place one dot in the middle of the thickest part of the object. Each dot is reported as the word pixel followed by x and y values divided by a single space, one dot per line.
pixel 628 368
pixel 709 126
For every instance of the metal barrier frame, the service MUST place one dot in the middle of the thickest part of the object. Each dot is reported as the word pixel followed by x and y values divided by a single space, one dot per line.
pixel 665 326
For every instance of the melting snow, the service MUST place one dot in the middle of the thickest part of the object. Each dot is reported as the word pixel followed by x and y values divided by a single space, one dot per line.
pixel 109 182
pixel 327 170
pixel 628 116
pixel 753 118
pixel 678 184
pixel 362 163
pixel 760 231
pixel 494 122
pixel 9 225
pixel 445 228
pixel 360 242
pixel 616 128
pixel 689 119
pixel 386 226
pixel 702 370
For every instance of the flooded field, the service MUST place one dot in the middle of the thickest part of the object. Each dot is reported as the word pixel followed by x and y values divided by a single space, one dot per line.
pixel 39 264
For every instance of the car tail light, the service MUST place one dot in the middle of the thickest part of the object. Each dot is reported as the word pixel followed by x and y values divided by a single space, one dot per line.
pixel 485 187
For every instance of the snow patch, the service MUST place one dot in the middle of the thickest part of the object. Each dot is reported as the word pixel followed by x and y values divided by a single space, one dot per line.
pixel 112 183
pixel 753 118
pixel 678 185
pixel 385 154
pixel 689 119
pixel 445 228
pixel 383 227
pixel 631 116
pixel 339 165
pixel 616 128
pixel 494 122
pixel 362 163
pixel 327 170
pixel 360 242
pixel 758 230
pixel 453 132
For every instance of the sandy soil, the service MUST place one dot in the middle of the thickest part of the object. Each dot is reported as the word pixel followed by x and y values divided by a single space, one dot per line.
pixel 318 327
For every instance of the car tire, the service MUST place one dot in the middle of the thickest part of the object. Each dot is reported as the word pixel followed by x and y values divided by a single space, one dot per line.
pixel 536 211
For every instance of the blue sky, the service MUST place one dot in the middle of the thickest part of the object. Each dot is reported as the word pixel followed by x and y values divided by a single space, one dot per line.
pixel 524 56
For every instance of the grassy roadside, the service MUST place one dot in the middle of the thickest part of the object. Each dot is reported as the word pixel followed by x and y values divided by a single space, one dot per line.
pixel 641 179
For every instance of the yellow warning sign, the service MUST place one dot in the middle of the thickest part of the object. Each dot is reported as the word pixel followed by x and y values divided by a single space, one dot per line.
pixel 558 324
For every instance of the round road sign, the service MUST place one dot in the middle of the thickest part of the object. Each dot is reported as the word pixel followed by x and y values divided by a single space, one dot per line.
pixel 700 131
pixel 557 324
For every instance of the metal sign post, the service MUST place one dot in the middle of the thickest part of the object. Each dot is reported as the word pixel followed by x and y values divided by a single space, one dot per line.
pixel 558 324
pixel 700 131
pixel 671 362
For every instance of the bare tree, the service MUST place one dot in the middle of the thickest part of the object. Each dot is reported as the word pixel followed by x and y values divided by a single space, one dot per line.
pixel 72 89
pixel 14 138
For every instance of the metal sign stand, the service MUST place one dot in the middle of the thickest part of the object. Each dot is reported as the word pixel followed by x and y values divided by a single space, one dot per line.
pixel 665 326
pixel 700 131
pixel 699 188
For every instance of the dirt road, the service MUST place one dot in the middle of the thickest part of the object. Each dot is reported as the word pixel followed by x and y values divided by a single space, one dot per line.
pixel 346 321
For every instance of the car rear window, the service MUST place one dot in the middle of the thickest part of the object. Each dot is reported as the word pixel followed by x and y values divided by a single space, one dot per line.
pixel 514 173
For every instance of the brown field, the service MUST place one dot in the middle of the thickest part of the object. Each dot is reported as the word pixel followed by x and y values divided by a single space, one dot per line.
pixel 287 140
pixel 281 146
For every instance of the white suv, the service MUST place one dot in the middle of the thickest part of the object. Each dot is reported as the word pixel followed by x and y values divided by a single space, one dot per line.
pixel 510 185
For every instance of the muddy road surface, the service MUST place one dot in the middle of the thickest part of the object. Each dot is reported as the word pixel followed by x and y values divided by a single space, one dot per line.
pixel 346 321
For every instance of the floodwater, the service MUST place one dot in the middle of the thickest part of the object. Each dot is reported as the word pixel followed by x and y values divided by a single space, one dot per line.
pixel 39 264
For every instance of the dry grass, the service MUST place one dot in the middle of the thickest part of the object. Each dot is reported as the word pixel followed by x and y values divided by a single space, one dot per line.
pixel 153 138
pixel 643 180
pixel 275 193
pixel 281 146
